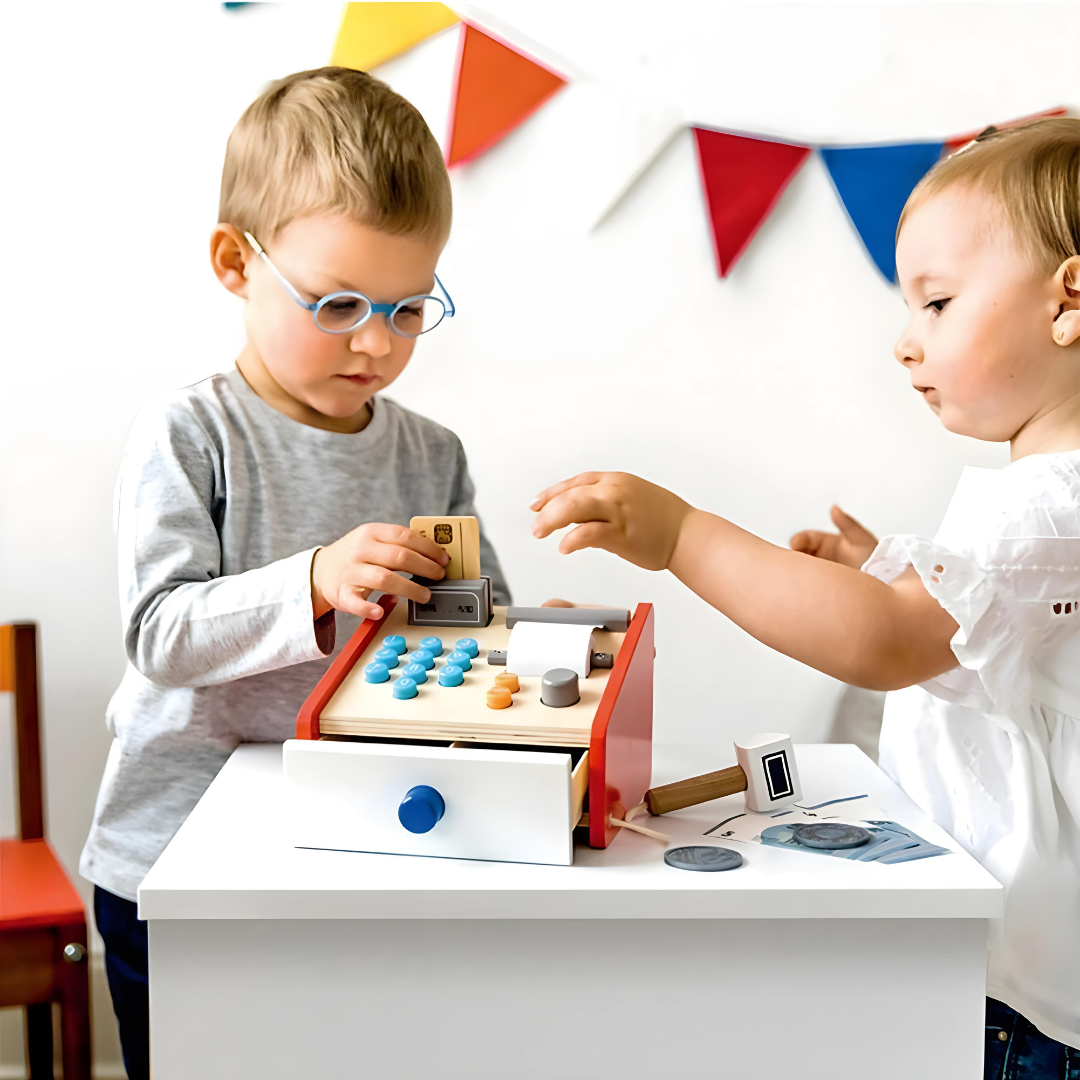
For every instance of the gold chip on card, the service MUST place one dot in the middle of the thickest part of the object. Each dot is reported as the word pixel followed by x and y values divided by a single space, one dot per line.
pixel 460 537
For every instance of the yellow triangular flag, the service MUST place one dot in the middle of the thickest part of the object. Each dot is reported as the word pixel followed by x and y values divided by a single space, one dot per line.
pixel 373 33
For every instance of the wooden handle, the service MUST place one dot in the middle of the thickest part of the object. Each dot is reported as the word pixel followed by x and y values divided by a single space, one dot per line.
pixel 698 789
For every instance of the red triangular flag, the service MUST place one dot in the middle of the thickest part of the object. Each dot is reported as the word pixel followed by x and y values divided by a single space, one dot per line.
pixel 954 144
pixel 743 179
pixel 496 88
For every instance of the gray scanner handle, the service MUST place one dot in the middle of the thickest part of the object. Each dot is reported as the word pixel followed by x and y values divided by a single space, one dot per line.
pixel 614 619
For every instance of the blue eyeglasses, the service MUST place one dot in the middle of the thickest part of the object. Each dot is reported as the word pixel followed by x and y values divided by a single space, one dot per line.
pixel 342 312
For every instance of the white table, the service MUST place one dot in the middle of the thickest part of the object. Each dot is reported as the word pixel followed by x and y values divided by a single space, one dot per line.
pixel 273 962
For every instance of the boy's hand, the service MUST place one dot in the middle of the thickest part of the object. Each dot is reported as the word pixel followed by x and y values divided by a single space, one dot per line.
pixel 852 546
pixel 345 573
pixel 616 511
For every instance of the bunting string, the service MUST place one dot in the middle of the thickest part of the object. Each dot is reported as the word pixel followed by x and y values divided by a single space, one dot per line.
pixel 497 87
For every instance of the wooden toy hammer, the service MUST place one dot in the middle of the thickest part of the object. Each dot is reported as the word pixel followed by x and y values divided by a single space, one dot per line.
pixel 766 772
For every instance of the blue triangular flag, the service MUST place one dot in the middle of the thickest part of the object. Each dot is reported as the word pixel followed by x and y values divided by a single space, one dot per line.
pixel 873 183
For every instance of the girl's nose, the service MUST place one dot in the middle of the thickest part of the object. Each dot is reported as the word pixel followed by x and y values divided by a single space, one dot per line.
pixel 907 350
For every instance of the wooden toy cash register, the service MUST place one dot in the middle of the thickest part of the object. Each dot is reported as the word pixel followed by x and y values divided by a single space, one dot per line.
pixel 459 729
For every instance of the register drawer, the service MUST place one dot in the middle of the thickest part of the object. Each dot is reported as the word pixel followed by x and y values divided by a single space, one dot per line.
pixel 505 805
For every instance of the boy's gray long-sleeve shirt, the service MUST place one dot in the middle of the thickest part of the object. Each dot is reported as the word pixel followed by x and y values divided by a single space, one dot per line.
pixel 221 504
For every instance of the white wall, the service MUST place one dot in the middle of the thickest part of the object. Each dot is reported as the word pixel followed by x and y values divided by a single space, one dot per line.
pixel 764 397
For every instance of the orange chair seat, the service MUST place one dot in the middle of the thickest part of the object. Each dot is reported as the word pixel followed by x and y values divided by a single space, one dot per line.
pixel 34 890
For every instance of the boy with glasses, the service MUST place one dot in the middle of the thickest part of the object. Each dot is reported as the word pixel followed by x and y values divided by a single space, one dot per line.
pixel 259 509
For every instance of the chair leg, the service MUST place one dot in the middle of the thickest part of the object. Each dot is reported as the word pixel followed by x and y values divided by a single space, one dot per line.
pixel 74 986
pixel 39 1041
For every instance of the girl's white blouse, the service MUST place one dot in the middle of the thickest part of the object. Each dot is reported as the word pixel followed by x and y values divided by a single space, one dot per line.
pixel 991 749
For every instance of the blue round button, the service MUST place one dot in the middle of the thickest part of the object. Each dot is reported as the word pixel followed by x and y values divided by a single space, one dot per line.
pixel 460 659
pixel 405 687
pixel 432 644
pixel 451 676
pixel 395 642
pixel 387 656
pixel 467 645
pixel 376 672
pixel 421 809
pixel 422 656
pixel 416 672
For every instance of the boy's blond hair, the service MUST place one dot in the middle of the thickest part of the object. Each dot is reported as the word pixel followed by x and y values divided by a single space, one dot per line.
pixel 1033 170
pixel 334 141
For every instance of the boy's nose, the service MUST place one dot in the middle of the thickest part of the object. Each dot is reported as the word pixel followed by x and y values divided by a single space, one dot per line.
pixel 373 337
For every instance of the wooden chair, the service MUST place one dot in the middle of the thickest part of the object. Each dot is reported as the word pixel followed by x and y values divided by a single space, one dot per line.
pixel 43 956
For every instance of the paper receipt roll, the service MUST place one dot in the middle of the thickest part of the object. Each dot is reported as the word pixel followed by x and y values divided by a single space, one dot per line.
pixel 536 648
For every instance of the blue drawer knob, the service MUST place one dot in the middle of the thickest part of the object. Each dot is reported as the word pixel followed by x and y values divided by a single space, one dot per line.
pixel 421 809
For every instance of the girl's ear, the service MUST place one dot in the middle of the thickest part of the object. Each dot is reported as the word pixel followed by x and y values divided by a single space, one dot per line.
pixel 1067 287
pixel 229 255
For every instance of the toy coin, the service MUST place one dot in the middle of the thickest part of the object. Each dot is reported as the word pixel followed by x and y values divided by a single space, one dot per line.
pixel 703 857
pixel 831 835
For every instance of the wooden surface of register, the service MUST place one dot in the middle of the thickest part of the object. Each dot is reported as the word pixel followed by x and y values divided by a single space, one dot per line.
pixel 460 712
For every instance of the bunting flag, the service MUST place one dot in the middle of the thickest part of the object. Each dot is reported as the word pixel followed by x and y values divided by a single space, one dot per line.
pixel 496 88
pixel 742 179
pixel 373 33
pixel 635 142
pixel 873 183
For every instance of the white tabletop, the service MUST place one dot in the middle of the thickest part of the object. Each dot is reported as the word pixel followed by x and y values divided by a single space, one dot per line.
pixel 231 860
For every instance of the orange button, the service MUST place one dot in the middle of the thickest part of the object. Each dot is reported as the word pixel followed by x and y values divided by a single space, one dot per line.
pixel 498 697
pixel 509 680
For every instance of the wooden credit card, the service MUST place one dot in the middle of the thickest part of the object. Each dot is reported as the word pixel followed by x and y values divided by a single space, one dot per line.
pixel 460 536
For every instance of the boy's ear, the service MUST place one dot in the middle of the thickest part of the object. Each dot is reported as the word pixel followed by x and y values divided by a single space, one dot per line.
pixel 229 255
pixel 1067 286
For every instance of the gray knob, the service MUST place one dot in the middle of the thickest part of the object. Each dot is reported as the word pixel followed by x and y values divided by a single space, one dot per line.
pixel 558 688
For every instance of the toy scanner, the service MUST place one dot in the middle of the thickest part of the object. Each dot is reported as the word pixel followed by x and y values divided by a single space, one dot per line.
pixel 766 771
pixel 463 730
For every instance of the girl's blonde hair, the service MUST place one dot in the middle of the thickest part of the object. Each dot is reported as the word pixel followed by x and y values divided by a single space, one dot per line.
pixel 334 141
pixel 1033 171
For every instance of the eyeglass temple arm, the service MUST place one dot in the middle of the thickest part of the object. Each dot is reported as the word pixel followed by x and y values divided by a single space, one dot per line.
pixel 447 295
pixel 258 249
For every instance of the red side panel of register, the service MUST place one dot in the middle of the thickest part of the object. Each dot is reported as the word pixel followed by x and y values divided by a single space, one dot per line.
pixel 620 749
pixel 307 720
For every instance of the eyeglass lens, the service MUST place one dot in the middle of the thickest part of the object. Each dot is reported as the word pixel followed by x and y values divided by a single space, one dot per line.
pixel 419 317
pixel 342 313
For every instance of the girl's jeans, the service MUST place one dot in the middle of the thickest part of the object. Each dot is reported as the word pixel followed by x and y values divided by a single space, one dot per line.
pixel 1017 1050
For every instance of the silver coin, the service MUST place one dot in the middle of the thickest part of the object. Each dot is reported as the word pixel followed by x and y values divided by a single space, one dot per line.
pixel 831 835
pixel 703 857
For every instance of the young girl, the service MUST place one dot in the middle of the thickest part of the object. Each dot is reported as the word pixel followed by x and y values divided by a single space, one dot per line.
pixel 976 632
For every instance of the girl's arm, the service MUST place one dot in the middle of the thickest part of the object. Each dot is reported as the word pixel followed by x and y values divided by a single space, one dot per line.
pixel 830 616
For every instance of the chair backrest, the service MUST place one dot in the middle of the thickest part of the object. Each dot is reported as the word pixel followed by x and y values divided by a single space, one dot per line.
pixel 19 676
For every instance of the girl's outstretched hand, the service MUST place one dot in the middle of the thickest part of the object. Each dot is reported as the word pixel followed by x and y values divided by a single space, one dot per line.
pixel 852 546
pixel 618 512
